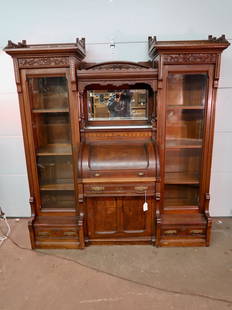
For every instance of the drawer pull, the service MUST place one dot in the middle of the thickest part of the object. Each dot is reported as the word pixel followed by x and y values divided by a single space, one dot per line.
pixel 170 232
pixel 140 174
pixel 97 188
pixel 141 188
pixel 43 234
pixel 196 232
pixel 69 233
pixel 97 174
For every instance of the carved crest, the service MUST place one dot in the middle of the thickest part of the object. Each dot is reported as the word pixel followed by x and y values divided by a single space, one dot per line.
pixel 189 58
pixel 43 61
pixel 119 66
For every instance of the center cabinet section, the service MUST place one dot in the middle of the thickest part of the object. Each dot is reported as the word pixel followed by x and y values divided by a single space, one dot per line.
pixel 121 217
pixel 119 188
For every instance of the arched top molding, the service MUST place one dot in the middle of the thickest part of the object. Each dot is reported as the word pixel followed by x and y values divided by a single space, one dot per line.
pixel 118 65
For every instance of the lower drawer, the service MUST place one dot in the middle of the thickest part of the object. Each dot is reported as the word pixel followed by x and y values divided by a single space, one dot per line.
pixel 183 231
pixel 132 189
pixel 55 233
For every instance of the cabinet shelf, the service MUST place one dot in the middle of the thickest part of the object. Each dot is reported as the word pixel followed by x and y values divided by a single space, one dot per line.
pixel 185 208
pixel 181 178
pixel 61 110
pixel 183 143
pixel 185 107
pixel 55 150
pixel 57 187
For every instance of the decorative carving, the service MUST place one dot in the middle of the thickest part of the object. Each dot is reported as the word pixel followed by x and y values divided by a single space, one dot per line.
pixel 151 41
pixel 82 115
pixel 43 61
pixel 117 83
pixel 122 66
pixel 72 64
pixel 189 58
pixel 32 205
pixel 17 76
pixel 81 44
pixel 157 196
pixel 14 45
pixel 111 135
pixel 221 39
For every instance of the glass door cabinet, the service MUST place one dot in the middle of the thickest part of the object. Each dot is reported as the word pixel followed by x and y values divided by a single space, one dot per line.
pixel 49 105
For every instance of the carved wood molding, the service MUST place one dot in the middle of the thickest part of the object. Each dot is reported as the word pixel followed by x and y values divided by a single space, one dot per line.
pixel 43 62
pixel 83 85
pixel 189 58
pixel 101 135
pixel 119 66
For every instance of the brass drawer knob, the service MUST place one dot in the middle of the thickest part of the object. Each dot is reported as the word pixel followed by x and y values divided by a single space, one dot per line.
pixel 140 174
pixel 196 232
pixel 141 188
pixel 97 174
pixel 97 188
pixel 170 232
pixel 69 233
pixel 43 234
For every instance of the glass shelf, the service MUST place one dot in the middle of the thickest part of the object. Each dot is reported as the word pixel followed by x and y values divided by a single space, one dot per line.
pixel 55 150
pixel 183 143
pixel 181 178
pixel 57 187
pixel 50 110
pixel 185 107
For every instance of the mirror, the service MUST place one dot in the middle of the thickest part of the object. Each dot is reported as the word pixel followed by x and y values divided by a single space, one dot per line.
pixel 123 104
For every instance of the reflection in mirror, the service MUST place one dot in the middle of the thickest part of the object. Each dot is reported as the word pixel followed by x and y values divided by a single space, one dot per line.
pixel 124 104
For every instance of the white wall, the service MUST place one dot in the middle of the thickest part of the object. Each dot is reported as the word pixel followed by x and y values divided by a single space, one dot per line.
pixel 100 21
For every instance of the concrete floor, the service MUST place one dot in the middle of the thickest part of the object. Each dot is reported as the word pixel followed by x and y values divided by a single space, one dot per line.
pixel 117 277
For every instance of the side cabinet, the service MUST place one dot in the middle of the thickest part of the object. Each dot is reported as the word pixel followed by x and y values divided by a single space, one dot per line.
pixel 46 84
pixel 187 84
pixel 116 219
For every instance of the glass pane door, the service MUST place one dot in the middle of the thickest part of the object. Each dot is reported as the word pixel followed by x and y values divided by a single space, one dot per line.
pixel 52 136
pixel 185 116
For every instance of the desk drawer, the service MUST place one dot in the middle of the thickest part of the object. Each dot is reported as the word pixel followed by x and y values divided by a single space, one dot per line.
pixel 103 189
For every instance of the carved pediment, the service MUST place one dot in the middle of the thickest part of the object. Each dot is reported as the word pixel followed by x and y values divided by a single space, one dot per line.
pixel 121 66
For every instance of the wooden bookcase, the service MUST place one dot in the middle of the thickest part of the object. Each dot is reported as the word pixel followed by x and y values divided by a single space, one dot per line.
pixel 102 139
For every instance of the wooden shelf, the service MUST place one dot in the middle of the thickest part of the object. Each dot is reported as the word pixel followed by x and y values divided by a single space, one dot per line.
pixel 186 107
pixel 61 110
pixel 55 150
pixel 181 178
pixel 57 187
pixel 185 219
pixel 182 209
pixel 183 143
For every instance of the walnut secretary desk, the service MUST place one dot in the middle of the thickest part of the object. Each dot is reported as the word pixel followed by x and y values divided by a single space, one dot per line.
pixel 118 152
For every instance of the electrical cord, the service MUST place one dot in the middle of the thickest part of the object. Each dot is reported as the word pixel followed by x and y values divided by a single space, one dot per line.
pixel 169 291
pixel 4 236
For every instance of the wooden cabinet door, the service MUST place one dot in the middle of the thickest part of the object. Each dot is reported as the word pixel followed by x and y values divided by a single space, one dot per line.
pixel 121 217
pixel 102 216
pixel 133 220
